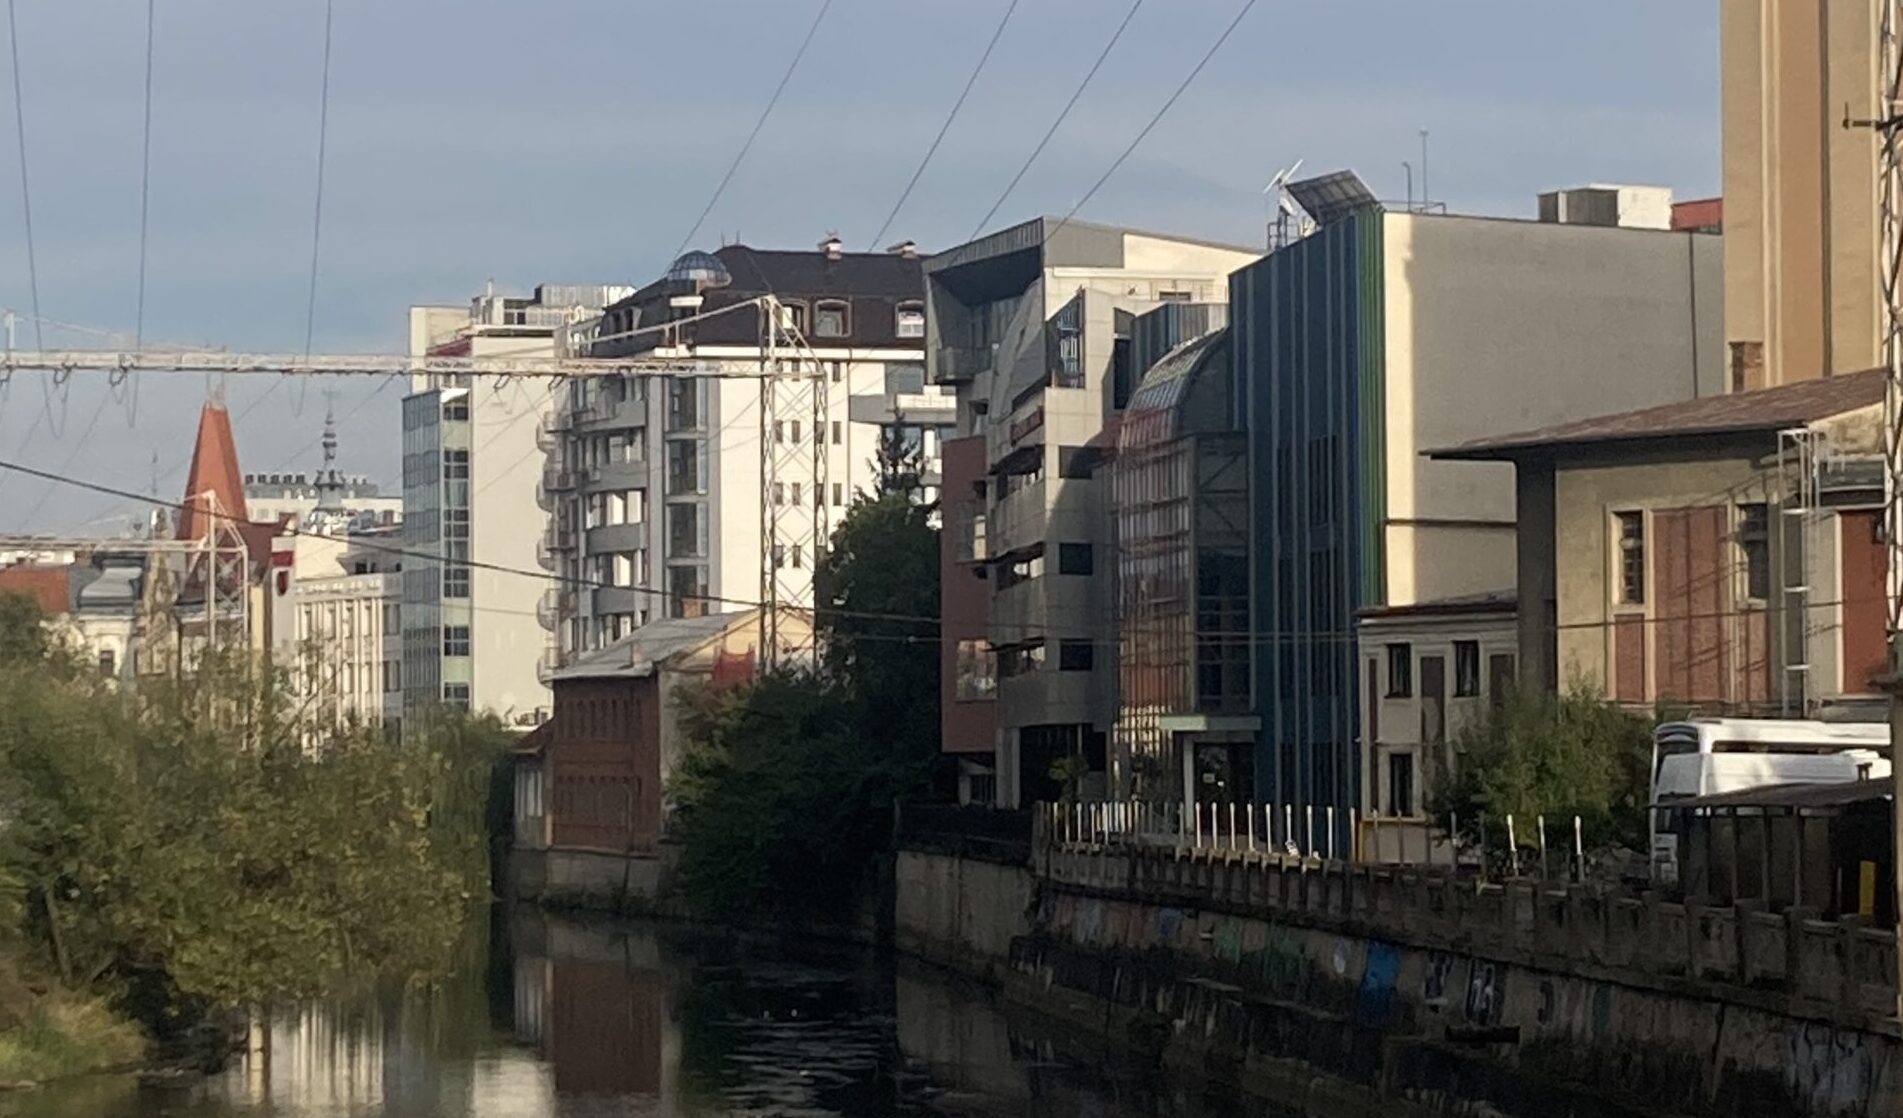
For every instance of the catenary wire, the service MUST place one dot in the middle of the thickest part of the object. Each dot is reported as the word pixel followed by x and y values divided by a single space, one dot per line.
pixel 317 204
pixel 1258 638
pixel 1064 113
pixel 824 7
pixel 957 105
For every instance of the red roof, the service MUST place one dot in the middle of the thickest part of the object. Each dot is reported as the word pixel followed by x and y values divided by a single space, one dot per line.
pixel 50 587
pixel 214 475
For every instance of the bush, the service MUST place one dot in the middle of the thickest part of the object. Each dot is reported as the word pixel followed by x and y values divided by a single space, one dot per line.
pixel 1561 755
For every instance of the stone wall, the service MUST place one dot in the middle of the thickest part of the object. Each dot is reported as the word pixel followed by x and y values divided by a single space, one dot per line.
pixel 1427 989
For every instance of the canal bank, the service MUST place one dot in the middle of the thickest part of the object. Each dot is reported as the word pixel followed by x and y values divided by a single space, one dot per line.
pixel 1406 988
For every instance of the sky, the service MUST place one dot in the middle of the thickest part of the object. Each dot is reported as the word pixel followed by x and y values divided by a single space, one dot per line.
pixel 577 140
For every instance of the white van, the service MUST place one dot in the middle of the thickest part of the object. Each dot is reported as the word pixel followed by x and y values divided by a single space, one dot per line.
pixel 1709 756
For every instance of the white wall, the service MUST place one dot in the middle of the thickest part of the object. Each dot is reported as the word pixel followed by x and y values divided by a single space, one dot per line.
pixel 1496 326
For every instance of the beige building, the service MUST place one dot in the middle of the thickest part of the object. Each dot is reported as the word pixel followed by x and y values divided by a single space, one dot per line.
pixel 1720 554
pixel 1800 189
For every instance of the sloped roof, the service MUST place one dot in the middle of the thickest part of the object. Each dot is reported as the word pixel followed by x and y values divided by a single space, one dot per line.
pixel 214 471
pixel 639 653
pixel 1766 410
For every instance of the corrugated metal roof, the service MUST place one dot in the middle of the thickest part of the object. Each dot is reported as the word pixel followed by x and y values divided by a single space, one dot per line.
pixel 637 654
pixel 1766 410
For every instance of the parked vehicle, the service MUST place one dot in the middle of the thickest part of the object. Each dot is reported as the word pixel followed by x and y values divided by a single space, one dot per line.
pixel 1709 756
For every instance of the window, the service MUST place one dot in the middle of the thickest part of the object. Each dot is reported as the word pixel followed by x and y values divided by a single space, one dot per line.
pixel 108 662
pixel 1754 539
pixel 456 465
pixel 392 676
pixel 831 319
pixel 1401 784
pixel 1173 296
pixel 977 671
pixel 686 532
pixel 836 370
pixel 796 492
pixel 684 466
pixel 683 404
pixel 839 431
pixel 1075 559
pixel 1466 669
pixel 779 493
pixel 1075 461
pixel 911 320
pixel 798 551
pixel 455 640
pixel 1020 660
pixel 1499 677
pixel 686 591
pixel 904 379
pixel 456 407
pixel 455 580
pixel 839 494
pixel 1400 671
pixel 795 316
pixel 456 694
pixel 1631 557
pixel 1075 656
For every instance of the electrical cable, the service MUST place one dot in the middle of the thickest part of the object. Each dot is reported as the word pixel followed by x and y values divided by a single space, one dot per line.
pixel 946 127
pixel 1247 6
pixel 1055 124
pixel 317 207
pixel 824 7
pixel 1257 638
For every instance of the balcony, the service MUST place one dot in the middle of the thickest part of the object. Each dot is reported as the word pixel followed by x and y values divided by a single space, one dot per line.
pixel 617 537
pixel 607 415
pixel 619 599
pixel 616 476
pixel 953 364
pixel 924 409
pixel 547 664
pixel 549 608
pixel 545 554
pixel 555 479
pixel 1019 519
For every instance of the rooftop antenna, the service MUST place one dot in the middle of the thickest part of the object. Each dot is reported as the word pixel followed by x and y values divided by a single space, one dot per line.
pixel 1408 169
pixel 1425 196
pixel 1278 224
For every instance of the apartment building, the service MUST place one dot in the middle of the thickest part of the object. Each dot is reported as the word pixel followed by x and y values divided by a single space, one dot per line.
pixel 654 485
pixel 1380 336
pixel 1802 297
pixel 471 466
pixel 1032 328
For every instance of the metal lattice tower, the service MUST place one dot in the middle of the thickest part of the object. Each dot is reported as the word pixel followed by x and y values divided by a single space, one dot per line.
pixel 794 523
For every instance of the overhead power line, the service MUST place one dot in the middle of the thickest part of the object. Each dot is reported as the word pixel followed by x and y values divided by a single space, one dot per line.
pixel 1075 95
pixel 824 7
pixel 1157 118
pixel 145 175
pixel 946 127
pixel 26 189
pixel 317 203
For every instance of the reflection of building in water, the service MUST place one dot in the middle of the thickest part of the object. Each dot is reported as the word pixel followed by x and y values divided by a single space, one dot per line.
pixel 315 1057
pixel 596 1008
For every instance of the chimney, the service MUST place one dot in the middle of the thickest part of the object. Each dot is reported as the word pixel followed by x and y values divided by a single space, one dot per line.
pixel 832 246
pixel 907 249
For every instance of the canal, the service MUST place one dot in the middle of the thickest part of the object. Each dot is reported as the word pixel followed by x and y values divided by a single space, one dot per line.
pixel 550 1017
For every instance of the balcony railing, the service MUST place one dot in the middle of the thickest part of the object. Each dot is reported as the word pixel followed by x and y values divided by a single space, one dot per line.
pixel 957 364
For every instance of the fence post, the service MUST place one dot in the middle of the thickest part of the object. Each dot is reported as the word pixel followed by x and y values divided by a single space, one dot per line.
pixel 1232 825
pixel 1250 813
pixel 1542 846
pixel 1308 828
pixel 1213 829
pixel 1453 839
pixel 1331 832
pixel 1513 848
pixel 1199 824
pixel 1579 852
pixel 1288 827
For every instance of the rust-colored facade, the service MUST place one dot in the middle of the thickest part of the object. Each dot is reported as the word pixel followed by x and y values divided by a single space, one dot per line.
pixel 968 704
pixel 604 764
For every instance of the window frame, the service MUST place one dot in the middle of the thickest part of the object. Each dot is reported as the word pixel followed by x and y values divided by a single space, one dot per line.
pixel 899 314
pixel 843 306
pixel 1400 655
pixel 1628 543
pixel 1466 669
pixel 1754 549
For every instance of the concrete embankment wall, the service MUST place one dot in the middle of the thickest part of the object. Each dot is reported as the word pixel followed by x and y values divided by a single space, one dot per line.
pixel 1428 990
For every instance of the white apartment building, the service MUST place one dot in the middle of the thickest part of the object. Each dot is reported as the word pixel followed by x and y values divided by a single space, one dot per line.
pixel 472 458
pixel 654 484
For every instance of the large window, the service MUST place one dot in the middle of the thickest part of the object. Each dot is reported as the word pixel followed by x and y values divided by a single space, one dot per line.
pixel 977 671
pixel 1631 557
pixel 456 694
pixel 684 404
pixel 455 640
pixel 1754 540
pixel 1075 656
pixel 1466 668
pixel 686 462
pixel 686 591
pixel 686 532
pixel 1401 784
pixel 1075 559
pixel 1400 671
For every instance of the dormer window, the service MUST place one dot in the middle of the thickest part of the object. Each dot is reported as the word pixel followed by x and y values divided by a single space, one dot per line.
pixel 911 320
pixel 832 318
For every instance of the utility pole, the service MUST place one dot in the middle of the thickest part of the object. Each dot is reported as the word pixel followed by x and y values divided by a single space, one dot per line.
pixel 1887 120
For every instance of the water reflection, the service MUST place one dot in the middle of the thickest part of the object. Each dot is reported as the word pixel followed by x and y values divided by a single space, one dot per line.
pixel 550 1018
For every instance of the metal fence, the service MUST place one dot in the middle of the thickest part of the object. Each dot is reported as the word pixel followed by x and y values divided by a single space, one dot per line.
pixel 1506 848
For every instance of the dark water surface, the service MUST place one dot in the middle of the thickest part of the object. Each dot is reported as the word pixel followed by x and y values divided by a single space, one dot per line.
pixel 587 1020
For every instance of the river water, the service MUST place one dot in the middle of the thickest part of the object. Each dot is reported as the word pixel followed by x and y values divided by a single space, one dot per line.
pixel 549 1018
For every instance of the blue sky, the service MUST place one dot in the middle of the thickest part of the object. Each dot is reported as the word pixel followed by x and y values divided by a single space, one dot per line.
pixel 576 140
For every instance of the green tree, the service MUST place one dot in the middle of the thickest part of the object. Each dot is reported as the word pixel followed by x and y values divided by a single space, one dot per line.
pixel 1558 755
pixel 784 792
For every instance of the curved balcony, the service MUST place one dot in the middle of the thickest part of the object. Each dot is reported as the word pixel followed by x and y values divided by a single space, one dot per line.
pixel 547 664
pixel 548 609
pixel 545 554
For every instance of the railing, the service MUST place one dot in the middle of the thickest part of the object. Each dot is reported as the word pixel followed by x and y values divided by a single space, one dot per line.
pixel 1507 849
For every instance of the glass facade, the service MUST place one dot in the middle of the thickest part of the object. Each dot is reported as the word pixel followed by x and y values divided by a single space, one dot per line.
pixel 436 613
pixel 1308 337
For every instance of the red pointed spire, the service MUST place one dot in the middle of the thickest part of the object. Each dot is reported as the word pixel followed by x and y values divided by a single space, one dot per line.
pixel 215 472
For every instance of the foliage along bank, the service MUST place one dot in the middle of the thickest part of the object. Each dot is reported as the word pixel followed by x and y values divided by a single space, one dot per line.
pixel 208 842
